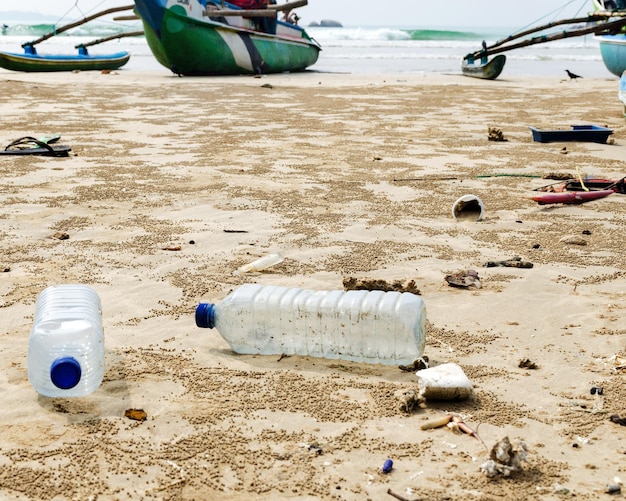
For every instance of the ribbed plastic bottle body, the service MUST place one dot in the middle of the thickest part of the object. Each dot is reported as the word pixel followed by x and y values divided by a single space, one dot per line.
pixel 362 326
pixel 67 330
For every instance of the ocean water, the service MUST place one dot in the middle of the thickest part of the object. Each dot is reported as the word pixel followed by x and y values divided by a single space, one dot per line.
pixel 355 50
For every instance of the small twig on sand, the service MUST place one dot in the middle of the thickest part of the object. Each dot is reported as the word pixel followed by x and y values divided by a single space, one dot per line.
pixel 399 497
pixel 441 178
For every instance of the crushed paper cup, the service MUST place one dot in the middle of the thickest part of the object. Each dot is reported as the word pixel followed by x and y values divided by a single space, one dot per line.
pixel 444 382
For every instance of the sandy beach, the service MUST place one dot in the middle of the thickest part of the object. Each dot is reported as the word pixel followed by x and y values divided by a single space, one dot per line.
pixel 173 183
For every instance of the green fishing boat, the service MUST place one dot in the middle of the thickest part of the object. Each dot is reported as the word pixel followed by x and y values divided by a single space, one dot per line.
pixel 203 37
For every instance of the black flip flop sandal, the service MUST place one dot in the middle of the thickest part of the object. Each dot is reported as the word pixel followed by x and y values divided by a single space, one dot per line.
pixel 24 146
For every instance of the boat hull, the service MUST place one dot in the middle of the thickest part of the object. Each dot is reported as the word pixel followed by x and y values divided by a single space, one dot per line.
pixel 44 62
pixel 613 51
pixel 188 42
pixel 488 71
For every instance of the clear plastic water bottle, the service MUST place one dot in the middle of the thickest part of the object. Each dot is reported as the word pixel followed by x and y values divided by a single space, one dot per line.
pixel 361 326
pixel 66 343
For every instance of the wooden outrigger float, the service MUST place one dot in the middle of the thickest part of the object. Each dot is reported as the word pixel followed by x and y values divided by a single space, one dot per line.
pixel 603 23
pixel 31 61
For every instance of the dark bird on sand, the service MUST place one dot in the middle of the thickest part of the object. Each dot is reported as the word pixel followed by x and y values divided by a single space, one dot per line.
pixel 572 76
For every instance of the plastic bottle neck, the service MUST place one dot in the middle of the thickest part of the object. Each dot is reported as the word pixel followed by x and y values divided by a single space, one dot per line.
pixel 205 315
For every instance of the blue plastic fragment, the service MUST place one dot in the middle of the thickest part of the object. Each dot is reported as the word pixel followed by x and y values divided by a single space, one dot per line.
pixel 387 466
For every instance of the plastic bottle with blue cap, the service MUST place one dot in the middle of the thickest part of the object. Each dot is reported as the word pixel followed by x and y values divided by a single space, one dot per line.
pixel 357 325
pixel 66 343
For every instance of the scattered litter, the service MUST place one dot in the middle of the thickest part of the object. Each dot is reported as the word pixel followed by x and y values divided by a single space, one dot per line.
pixel 5 269
pixel 436 423
pixel 618 420
pixel 468 207
pixel 573 240
pixel 409 399
pixel 583 133
pixel 505 459
pixel 136 414
pixel 613 489
pixel 527 364
pixel 387 466
pixel 397 496
pixel 419 364
pixel 495 134
pixel 29 145
pixel 61 235
pixel 455 423
pixel 171 248
pixel 595 389
pixel 444 382
pixel 367 284
pixel 464 278
pixel 316 449
pixel 514 262
pixel 260 264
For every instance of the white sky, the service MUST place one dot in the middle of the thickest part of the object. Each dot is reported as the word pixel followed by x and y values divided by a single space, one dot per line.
pixel 409 13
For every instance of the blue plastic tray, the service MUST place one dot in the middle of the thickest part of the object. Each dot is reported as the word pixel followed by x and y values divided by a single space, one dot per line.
pixel 588 133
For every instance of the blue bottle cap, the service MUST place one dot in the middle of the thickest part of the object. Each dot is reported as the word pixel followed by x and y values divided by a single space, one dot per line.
pixel 65 373
pixel 205 315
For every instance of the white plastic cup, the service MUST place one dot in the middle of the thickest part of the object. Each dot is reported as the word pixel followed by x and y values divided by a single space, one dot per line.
pixel 66 343
pixel 362 326
pixel 468 207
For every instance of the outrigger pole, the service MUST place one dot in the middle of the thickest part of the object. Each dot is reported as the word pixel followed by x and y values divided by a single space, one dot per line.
pixel 111 37
pixel 608 27
pixel 77 23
